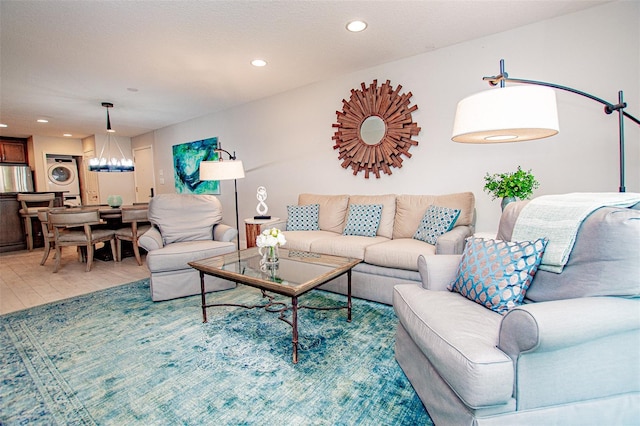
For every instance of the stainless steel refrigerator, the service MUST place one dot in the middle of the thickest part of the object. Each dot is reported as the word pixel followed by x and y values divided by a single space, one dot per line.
pixel 15 178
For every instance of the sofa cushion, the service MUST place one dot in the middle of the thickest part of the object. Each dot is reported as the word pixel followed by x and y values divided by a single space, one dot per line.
pixel 176 256
pixel 345 245
pixel 410 210
pixel 185 217
pixel 402 253
pixel 363 220
pixel 436 221
pixel 603 261
pixel 332 212
pixel 303 218
pixel 496 274
pixel 388 210
pixel 302 240
pixel 459 338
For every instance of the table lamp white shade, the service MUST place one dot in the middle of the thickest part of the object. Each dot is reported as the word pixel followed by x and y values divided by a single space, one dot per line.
pixel 221 170
pixel 507 114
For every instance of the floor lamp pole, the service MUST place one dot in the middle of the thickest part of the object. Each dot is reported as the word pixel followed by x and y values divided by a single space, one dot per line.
pixel 622 187
pixel 235 175
pixel 235 184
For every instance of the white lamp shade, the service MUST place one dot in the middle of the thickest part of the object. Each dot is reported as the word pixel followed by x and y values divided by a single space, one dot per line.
pixel 221 170
pixel 510 114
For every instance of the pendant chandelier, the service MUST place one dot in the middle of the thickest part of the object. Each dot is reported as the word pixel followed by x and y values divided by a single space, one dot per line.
pixel 108 160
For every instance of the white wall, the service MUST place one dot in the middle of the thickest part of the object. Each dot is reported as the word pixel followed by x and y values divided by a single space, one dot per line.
pixel 285 140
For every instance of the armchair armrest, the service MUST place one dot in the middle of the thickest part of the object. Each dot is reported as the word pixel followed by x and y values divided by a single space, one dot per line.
pixel 151 240
pixel 572 350
pixel 225 233
pixel 548 326
pixel 452 242
pixel 437 272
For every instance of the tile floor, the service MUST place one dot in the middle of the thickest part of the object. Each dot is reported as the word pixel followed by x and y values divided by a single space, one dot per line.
pixel 24 283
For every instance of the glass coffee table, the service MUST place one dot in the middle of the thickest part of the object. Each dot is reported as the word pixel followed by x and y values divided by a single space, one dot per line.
pixel 296 273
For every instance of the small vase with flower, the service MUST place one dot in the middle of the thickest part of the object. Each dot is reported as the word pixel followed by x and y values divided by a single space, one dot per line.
pixel 268 242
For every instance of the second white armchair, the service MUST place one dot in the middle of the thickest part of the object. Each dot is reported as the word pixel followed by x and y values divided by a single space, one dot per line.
pixel 186 227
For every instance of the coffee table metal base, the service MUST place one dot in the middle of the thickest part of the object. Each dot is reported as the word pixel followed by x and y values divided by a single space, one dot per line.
pixel 279 307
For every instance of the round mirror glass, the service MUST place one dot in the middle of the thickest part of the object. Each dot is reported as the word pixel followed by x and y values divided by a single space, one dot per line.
pixel 372 130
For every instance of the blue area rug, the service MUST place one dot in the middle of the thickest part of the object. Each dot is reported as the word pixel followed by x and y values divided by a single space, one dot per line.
pixel 116 358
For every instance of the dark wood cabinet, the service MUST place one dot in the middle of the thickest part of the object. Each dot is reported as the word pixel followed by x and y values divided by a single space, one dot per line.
pixel 13 150
pixel 11 229
pixel 12 233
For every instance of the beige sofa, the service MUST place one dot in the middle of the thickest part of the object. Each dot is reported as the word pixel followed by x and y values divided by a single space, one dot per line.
pixel 391 257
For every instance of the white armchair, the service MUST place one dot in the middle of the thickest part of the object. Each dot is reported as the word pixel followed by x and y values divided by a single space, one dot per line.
pixel 569 355
pixel 185 228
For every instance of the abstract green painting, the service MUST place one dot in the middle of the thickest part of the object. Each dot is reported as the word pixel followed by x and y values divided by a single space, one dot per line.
pixel 186 166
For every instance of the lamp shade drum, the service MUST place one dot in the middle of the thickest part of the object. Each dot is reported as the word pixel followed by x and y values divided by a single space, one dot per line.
pixel 510 114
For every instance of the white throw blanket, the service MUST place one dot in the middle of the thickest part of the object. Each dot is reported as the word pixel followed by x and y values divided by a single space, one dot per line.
pixel 558 217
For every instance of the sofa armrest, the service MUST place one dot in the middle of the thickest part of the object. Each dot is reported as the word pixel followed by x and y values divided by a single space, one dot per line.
pixel 452 242
pixel 437 272
pixel 281 225
pixel 151 240
pixel 225 233
pixel 549 326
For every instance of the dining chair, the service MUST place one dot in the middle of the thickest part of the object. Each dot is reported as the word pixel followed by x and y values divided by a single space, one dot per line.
pixel 47 233
pixel 29 206
pixel 64 221
pixel 134 216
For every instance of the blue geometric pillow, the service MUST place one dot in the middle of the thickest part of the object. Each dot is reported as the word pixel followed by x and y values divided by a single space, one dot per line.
pixel 436 221
pixel 497 274
pixel 363 219
pixel 303 218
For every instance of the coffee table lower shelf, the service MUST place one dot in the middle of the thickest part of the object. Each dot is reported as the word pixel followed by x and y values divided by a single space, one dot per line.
pixel 279 307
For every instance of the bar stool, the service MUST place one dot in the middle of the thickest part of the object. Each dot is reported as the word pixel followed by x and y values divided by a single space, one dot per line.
pixel 30 204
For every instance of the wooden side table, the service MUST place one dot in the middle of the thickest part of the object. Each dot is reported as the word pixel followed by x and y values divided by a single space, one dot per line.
pixel 252 228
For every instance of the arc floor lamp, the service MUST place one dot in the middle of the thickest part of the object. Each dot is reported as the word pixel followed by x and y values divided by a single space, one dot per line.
pixel 522 113
pixel 224 170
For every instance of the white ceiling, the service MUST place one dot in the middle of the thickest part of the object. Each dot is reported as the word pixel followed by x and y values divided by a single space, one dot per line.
pixel 164 62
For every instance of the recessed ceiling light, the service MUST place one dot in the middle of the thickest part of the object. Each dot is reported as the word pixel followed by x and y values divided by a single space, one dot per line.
pixel 258 62
pixel 67 135
pixel 3 125
pixel 42 120
pixel 356 26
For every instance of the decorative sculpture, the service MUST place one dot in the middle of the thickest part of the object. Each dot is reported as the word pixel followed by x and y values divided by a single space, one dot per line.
pixel 262 207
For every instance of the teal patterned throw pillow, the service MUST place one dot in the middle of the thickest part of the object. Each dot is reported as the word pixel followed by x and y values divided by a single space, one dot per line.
pixel 497 274
pixel 436 221
pixel 303 218
pixel 363 220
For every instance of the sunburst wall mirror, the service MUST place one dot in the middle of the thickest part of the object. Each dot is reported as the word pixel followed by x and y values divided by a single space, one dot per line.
pixel 375 128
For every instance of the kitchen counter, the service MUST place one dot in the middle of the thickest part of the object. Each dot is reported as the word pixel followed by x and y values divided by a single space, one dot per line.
pixel 12 232
pixel 58 193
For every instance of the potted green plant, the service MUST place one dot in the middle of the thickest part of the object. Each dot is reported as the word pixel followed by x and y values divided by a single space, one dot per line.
pixel 509 186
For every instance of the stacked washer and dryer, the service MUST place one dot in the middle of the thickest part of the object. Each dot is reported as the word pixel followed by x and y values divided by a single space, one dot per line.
pixel 62 175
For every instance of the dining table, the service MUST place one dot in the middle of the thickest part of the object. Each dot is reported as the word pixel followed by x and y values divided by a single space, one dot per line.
pixel 106 212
